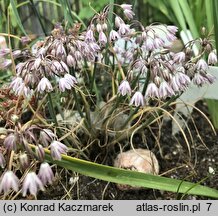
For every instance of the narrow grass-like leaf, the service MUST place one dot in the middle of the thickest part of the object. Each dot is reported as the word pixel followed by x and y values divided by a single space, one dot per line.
pixel 14 9
pixel 178 13
pixel 215 19
pixel 212 104
pixel 67 14
pixel 212 107
pixel 188 17
pixel 132 178
pixel 209 14
pixel 161 6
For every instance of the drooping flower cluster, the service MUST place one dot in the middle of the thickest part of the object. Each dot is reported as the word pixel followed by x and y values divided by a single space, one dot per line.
pixel 100 27
pixel 18 141
pixel 32 182
pixel 50 61
pixel 4 61
pixel 165 73
pixel 140 59
pixel 42 138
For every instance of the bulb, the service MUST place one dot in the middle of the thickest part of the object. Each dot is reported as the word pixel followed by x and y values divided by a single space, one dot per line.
pixel 141 160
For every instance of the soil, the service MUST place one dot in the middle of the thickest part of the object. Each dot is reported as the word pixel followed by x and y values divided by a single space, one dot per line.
pixel 174 162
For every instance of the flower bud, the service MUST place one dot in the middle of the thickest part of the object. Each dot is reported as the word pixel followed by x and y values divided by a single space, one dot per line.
pixel 40 152
pixel 24 161
pixel 2 161
pixel 203 31
pixel 104 26
pixel 99 27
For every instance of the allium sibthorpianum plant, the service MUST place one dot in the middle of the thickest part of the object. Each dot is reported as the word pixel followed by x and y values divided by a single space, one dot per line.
pixel 110 77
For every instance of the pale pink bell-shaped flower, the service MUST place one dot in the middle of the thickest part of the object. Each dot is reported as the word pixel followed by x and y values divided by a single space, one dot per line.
pixel 179 57
pixel 180 82
pixel 37 63
pixel 175 85
pixel 118 21
pixel 89 36
pixel 25 40
pixel 19 68
pixel 137 99
pixel 5 64
pixel 45 173
pixel 78 55
pixel 158 42
pixel 102 38
pixel 71 79
pixel 165 90
pixel 40 152
pixel 152 91
pixel 23 90
pixel 16 83
pixel 210 78
pixel 63 84
pixel 32 183
pixel 170 37
pixel 9 181
pixel 124 29
pixel 201 65
pixel 113 35
pixel 212 58
pixel 124 88
pixel 182 79
pixel 64 66
pixel 104 26
pixel 71 61
pixel 149 44
pixel 127 10
pixel 24 160
pixel 99 27
pixel 10 142
pixel 129 14
pixel 199 80
pixel 44 85
pixel 16 53
pixel 46 136
pixel 67 82
pixel 172 29
pixel 4 52
pixel 126 6
pixel 57 148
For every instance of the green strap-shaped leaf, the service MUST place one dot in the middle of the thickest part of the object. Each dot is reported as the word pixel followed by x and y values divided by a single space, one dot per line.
pixel 209 14
pixel 215 18
pixel 14 9
pixel 189 17
pixel 163 7
pixel 178 13
pixel 132 178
